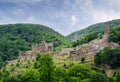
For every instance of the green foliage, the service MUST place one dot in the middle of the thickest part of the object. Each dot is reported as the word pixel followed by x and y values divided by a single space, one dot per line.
pixel 74 79
pixel 5 76
pixel 96 28
pixel 118 76
pixel 36 65
pixel 115 35
pixel 80 71
pixel 20 37
pixel 45 71
pixel 83 59
pixel 100 36
pixel 17 64
pixel 38 55
pixel 108 56
pixel 46 68
pixel 30 76
pixel 59 75
pixel 99 77
pixel 87 38
pixel 11 79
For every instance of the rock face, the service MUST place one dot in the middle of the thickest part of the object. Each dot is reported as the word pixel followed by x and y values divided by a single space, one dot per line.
pixel 88 50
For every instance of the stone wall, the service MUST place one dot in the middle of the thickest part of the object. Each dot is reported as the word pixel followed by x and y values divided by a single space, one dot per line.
pixel 31 54
pixel 90 49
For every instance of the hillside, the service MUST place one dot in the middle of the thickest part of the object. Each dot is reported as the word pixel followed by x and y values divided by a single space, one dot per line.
pixel 97 28
pixel 20 37
pixel 115 35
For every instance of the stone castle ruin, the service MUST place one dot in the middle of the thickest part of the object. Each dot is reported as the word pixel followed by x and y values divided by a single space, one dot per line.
pixel 31 54
pixel 88 50
pixel 38 48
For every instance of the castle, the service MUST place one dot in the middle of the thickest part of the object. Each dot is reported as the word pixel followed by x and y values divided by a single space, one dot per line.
pixel 38 48
pixel 90 49
pixel 31 54
pixel 87 50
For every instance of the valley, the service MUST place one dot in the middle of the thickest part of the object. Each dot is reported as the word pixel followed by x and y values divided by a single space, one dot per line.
pixel 33 55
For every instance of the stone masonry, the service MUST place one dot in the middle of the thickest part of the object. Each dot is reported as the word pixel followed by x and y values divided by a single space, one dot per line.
pixel 88 50
pixel 31 54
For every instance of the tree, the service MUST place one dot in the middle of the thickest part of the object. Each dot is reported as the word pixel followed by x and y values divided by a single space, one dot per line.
pixel 46 68
pixel 117 75
pixel 59 75
pixel 99 77
pixel 114 35
pixel 36 65
pixel 108 56
pixel 11 78
pixel 83 59
pixel 80 71
pixel 30 75
pixel 38 55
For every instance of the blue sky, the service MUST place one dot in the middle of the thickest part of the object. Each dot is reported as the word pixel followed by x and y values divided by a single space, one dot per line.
pixel 64 16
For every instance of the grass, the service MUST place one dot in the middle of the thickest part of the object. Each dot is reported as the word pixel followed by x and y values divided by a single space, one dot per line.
pixel 59 61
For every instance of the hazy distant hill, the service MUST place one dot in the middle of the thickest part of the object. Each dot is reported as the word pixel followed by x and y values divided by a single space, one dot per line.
pixel 97 28
pixel 20 37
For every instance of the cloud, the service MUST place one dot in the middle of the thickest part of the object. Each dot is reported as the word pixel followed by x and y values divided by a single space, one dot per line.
pixel 103 15
pixel 61 15
pixel 22 1
pixel 73 19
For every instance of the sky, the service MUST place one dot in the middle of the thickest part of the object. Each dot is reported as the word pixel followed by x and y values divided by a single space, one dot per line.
pixel 64 16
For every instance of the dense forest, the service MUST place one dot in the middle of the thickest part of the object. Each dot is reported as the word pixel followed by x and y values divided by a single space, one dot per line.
pixel 20 37
pixel 96 28
pixel 115 34
pixel 106 57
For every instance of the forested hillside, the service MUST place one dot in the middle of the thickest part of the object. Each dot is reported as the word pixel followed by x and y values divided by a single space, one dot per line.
pixel 115 34
pixel 20 37
pixel 96 28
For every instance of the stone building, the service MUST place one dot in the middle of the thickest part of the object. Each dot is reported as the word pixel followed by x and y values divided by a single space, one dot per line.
pixel 38 48
pixel 88 50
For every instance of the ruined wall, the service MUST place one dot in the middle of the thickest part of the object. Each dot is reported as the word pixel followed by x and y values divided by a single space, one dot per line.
pixel 31 54
pixel 90 49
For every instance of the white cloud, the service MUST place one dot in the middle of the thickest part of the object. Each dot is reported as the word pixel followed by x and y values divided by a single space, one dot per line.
pixel 36 0
pixel 73 20
pixel 98 14
pixel 22 1
pixel 74 13
pixel 114 2
pixel 103 15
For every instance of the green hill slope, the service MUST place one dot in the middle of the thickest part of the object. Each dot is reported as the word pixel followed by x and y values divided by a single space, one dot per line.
pixel 20 37
pixel 97 28
pixel 115 34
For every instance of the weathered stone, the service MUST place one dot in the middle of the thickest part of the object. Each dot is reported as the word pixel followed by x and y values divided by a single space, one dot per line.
pixel 90 49
pixel 31 54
